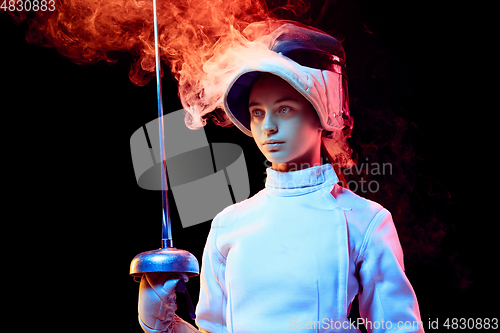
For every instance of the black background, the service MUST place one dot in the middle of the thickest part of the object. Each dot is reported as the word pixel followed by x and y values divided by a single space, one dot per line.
pixel 78 209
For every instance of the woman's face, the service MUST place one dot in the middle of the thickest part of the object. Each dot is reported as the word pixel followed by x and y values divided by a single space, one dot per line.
pixel 284 124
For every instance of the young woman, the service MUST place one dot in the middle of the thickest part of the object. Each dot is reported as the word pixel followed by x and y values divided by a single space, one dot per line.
pixel 296 254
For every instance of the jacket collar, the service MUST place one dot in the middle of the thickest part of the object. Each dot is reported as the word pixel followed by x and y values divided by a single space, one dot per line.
pixel 300 182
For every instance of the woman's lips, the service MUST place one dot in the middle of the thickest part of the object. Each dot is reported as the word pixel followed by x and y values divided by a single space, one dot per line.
pixel 270 144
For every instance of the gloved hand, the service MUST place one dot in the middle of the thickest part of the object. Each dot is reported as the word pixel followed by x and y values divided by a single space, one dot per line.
pixel 181 326
pixel 157 301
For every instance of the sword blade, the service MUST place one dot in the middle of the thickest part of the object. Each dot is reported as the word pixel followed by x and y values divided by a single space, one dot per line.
pixel 166 236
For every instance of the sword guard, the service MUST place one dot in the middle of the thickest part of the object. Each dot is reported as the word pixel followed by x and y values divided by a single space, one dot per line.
pixel 169 259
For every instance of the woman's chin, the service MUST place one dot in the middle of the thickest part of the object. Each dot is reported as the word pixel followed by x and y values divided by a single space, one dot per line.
pixel 275 157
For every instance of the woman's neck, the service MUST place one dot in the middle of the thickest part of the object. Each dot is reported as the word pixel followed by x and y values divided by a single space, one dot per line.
pixel 294 166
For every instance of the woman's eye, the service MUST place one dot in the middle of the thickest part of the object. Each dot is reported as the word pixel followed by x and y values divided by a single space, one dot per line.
pixel 257 113
pixel 284 109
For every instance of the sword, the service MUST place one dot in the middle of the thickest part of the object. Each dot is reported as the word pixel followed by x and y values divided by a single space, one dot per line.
pixel 167 258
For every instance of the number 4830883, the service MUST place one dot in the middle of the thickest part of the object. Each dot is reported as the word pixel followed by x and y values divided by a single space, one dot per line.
pixel 28 5
pixel 471 323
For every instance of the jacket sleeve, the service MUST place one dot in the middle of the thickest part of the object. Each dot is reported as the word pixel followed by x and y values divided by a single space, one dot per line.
pixel 211 308
pixel 387 301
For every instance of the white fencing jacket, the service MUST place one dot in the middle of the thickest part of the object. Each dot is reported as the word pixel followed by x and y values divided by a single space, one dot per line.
pixel 294 256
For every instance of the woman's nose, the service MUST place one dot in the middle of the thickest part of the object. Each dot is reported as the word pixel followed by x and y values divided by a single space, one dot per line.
pixel 269 125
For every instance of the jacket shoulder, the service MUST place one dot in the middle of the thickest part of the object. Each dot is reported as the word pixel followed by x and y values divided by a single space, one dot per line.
pixel 359 211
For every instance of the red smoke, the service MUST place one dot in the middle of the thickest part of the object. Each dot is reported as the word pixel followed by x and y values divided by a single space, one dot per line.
pixel 88 31
pixel 190 33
